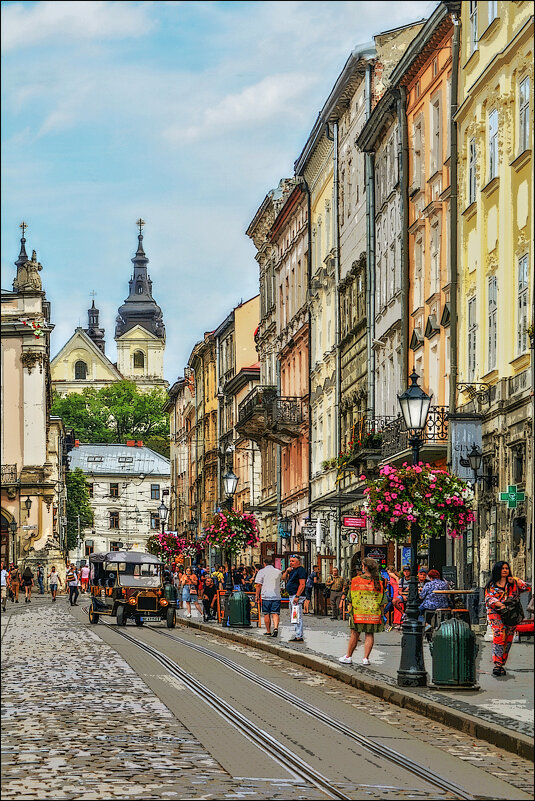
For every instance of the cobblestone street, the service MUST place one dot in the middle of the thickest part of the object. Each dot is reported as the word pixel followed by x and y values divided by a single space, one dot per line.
pixel 79 722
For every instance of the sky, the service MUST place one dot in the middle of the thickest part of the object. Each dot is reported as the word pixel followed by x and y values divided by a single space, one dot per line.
pixel 183 113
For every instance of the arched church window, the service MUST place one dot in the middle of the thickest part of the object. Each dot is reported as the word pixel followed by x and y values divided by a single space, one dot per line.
pixel 139 359
pixel 139 289
pixel 80 371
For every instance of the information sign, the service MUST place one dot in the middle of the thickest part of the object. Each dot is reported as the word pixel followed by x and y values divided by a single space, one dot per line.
pixel 354 522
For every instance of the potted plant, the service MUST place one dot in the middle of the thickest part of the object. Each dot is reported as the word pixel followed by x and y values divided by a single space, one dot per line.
pixel 439 501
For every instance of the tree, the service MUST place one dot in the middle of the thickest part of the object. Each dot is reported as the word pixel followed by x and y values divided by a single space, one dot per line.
pixel 117 413
pixel 77 505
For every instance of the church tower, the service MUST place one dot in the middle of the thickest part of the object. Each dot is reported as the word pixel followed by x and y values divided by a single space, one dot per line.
pixel 140 330
pixel 94 331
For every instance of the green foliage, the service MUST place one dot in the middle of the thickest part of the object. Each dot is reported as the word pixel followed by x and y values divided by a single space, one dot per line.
pixel 116 413
pixel 77 504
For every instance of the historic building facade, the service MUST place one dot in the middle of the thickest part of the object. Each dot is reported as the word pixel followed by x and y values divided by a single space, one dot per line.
pixel 127 484
pixel 34 445
pixel 495 189
pixel 139 337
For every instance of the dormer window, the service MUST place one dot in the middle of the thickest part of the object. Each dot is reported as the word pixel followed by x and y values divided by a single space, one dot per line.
pixel 139 289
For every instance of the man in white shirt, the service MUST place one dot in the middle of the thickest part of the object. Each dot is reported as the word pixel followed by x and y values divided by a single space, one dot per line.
pixel 268 588
pixel 5 584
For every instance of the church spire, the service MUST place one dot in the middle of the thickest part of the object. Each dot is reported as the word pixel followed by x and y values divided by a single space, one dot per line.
pixel 140 308
pixel 94 332
pixel 23 256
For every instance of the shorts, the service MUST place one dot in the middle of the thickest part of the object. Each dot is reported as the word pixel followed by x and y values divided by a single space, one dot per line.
pixel 4 593
pixel 53 587
pixel 308 593
pixel 271 607
pixel 189 596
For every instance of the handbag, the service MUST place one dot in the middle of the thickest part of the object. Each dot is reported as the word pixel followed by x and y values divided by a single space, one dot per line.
pixel 513 613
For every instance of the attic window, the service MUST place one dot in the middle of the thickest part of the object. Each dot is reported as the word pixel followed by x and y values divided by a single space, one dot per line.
pixel 80 371
pixel 417 340
pixel 431 327
pixel 124 459
pixel 95 459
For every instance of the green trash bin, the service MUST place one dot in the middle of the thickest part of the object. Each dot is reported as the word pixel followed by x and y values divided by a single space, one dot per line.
pixel 454 650
pixel 238 610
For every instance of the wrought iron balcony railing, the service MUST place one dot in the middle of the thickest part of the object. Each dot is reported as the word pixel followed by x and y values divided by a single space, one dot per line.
pixel 9 474
pixel 396 436
pixel 264 414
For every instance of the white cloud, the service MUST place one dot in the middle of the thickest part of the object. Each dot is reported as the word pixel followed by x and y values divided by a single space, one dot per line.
pixel 50 21
pixel 255 105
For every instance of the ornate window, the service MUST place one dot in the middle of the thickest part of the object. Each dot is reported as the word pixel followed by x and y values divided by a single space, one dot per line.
pixel 472 180
pixel 493 144
pixel 493 10
pixel 524 121
pixel 522 305
pixel 139 359
pixel 80 371
pixel 493 321
pixel 471 344
pixel 473 25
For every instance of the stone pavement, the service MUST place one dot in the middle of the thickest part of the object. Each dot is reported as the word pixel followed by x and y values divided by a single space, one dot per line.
pixel 78 722
pixel 506 701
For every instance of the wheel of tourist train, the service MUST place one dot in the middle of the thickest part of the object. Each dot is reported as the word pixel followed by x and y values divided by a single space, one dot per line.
pixel 171 618
pixel 93 616
pixel 121 616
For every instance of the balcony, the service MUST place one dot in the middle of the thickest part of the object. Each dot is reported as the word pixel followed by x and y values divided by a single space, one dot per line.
pixel 396 449
pixel 265 415
pixel 8 474
pixel 367 441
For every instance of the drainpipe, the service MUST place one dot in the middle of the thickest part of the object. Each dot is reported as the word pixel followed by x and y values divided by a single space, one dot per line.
pixel 370 253
pixel 338 370
pixel 218 435
pixel 309 279
pixel 404 209
pixel 279 456
pixel 452 399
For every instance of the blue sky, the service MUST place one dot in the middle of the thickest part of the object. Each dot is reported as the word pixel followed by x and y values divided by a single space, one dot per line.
pixel 186 113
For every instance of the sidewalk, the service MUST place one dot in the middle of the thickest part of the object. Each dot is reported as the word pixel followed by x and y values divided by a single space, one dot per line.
pixel 506 702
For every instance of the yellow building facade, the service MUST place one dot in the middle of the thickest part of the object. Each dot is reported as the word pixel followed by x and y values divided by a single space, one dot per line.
pixel 495 191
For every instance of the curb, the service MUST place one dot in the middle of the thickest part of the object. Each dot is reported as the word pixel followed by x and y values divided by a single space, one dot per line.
pixel 513 742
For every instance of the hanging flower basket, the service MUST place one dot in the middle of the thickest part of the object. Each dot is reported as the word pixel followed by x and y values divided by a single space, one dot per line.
pixel 233 531
pixel 169 545
pixel 437 500
pixel 35 325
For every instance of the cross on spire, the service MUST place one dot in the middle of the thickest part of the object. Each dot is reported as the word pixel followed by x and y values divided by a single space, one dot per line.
pixel 93 294
pixel 140 223
pixel 23 227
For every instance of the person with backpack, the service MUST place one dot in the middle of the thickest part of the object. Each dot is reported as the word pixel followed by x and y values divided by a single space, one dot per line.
pixel 368 598
pixel 312 579
pixel 504 612
pixel 71 579
pixel 14 582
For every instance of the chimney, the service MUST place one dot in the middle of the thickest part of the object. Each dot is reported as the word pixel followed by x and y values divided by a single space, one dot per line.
pixel 131 443
pixel 76 443
pixel 140 443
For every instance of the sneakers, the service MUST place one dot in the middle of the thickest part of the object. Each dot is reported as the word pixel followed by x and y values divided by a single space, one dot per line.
pixel 388 628
pixel 365 661
pixel 275 633
pixel 188 614
pixel 346 660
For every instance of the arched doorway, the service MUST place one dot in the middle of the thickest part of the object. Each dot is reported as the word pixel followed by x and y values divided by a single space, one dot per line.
pixel 4 544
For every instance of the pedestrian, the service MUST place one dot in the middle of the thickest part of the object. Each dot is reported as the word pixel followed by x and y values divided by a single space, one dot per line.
pixel 4 583
pixel 335 584
pixel 422 577
pixel 218 577
pixel 14 582
pixel 312 579
pixel 84 577
pixel 268 590
pixel 368 598
pixel 189 591
pixel 27 583
pixel 178 586
pixel 209 596
pixel 41 578
pixel 295 577
pixel 53 581
pixel 72 581
pixel 502 592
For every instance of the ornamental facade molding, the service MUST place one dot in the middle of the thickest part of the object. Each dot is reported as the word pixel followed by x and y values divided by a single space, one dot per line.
pixel 30 359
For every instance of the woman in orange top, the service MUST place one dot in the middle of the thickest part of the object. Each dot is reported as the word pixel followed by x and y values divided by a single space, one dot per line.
pixel 368 598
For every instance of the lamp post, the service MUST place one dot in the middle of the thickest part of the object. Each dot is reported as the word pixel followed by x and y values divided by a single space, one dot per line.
pixel 163 511
pixel 230 482
pixel 414 403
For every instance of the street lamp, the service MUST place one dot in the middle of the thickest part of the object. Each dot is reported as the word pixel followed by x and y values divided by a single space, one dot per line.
pixel 163 511
pixel 192 526
pixel 28 504
pixel 13 527
pixel 414 403
pixel 230 482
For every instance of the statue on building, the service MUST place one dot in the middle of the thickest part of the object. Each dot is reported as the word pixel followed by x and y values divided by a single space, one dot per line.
pixel 27 278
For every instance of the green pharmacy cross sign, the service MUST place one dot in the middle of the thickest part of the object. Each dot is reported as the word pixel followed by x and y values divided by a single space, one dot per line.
pixel 512 497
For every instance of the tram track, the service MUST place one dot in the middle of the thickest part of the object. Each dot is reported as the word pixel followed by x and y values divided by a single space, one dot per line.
pixel 269 744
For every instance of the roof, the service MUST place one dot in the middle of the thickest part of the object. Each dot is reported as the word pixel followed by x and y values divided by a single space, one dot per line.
pixel 92 348
pixel 131 557
pixel 114 460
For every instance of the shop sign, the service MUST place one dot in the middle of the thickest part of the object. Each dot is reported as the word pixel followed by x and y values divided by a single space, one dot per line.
pixel 464 430
pixel 354 522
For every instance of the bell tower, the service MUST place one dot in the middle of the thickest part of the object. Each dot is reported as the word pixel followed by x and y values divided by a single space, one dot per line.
pixel 140 330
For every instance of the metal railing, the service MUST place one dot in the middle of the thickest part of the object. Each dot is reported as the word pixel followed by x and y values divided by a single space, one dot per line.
pixel 288 410
pixel 519 382
pixel 259 399
pixel 396 436
pixel 9 474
